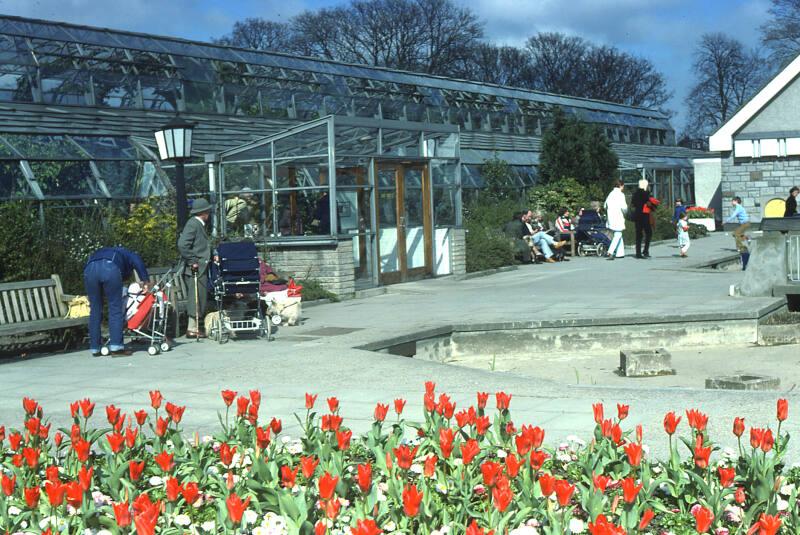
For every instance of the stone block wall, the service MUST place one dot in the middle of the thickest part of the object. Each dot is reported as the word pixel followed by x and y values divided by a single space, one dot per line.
pixel 753 179
pixel 331 265
pixel 458 251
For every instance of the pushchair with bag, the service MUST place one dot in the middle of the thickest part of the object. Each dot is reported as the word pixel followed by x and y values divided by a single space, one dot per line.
pixel 591 235
pixel 235 279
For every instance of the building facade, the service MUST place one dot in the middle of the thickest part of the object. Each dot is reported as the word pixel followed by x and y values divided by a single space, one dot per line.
pixel 350 174
pixel 759 148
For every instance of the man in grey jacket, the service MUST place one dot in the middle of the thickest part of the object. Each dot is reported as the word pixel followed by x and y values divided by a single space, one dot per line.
pixel 195 250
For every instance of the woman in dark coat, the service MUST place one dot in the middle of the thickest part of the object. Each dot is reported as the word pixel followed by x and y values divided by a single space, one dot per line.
pixel 791 203
pixel 641 218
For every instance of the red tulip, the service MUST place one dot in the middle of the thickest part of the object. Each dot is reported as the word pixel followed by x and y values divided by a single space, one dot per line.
pixel 768 524
pixel 122 514
pixel 55 492
pixel 602 526
pixel 366 527
pixel 503 400
pixel 14 440
pixel 112 414
pixel 226 453
pixel 276 425
pixel 32 425
pixel 331 422
pixel 135 470
pixel 616 434
pixel 320 528
pixel 87 407
pixel 513 465
pixel 634 452
pixel 475 529
pixel 141 416
pixel 701 454
pixel 703 519
pixel 333 404
pixel 404 456
pixel 726 476
pixel 429 468
pixel 399 405
pixel 327 486
pixel 483 399
pixel 30 406
pixel 255 398
pixel 115 441
pixel 310 400
pixel 51 473
pixel 446 437
pixel 236 507
pixel 228 397
pixel 739 495
pixel 697 420
pixel 343 439
pixel 630 489
pixel 469 450
pixel 597 409
pixel 85 477
pixel 430 387
pixel 364 477
pixel 767 441
pixel 74 493
pixel 502 494
pixel 288 476
pixel 622 411
pixel 190 492
pixel 252 413
pixel 783 410
pixel 156 398
pixel 2 433
pixel 756 436
pixel 8 484
pixel 647 516
pixel 463 418
pixel 31 456
pixel 32 497
pixel 601 482
pixel 308 466
pixel 57 438
pixel 241 406
pixel 331 508
pixel 538 457
pixel 175 412
pixel 173 489
pixel 130 437
pixel 738 426
pixel 381 411
pixel 491 471
pixel 430 402
pixel 146 516
pixel 482 424
pixel 564 492
pixel 547 483
pixel 411 500
pixel 164 461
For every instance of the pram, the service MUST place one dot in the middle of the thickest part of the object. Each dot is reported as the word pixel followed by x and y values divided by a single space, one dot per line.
pixel 236 280
pixel 147 316
pixel 590 235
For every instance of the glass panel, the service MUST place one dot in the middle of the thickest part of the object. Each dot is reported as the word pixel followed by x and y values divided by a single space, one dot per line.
pixel 444 207
pixel 353 210
pixel 304 213
pixel 246 176
pixel 6 152
pixel 303 144
pixel 121 177
pixel 159 93
pixel 196 177
pixel 64 85
pixel 276 102
pixel 199 97
pixel 393 109
pixel 414 212
pixel 441 145
pixel 107 147
pixel 443 173
pixel 115 89
pixel 63 179
pixel 308 106
pixel 12 182
pixel 416 112
pixel 356 141
pixel 241 100
pixel 387 221
pixel 365 107
pixel 243 213
pixel 297 174
pixel 44 147
pixel 404 143
pixel 352 173
pixel 337 105
pixel 15 83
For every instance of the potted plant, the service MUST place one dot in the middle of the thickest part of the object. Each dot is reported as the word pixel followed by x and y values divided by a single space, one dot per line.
pixel 700 215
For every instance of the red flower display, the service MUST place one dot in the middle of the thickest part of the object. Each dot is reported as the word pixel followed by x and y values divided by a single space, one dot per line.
pixel 703 519
pixel 630 489
pixel 697 420
pixel 164 461
pixel 404 456
pixel 236 507
pixel 547 484
pixel 135 470
pixel 412 498
pixel 311 399
pixel 726 476
pixel 327 486
pixel 634 453
pixel 399 405
pixel 381 410
pixel 364 477
pixel 122 514
pixel 228 397
pixel 503 400
pixel 597 409
pixel 563 492
pixel 469 450
pixel 622 411
pixel 738 426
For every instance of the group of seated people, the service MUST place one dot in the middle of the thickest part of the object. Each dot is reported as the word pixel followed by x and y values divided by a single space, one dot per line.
pixel 531 237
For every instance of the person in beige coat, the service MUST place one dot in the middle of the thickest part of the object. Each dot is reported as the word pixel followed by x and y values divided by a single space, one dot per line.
pixel 195 251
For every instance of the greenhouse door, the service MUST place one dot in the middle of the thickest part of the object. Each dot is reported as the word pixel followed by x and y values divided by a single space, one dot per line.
pixel 405 240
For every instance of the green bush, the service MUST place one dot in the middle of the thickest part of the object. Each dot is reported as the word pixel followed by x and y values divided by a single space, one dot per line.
pixel 564 193
pixel 314 291
pixel 487 246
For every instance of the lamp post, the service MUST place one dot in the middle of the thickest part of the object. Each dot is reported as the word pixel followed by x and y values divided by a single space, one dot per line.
pixel 174 142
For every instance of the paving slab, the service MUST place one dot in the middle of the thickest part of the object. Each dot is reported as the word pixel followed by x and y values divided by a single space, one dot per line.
pixel 589 289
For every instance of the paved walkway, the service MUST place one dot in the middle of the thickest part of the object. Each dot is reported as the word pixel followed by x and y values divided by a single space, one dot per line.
pixel 319 356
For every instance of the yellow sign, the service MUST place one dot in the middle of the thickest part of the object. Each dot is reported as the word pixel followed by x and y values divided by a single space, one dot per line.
pixel 775 208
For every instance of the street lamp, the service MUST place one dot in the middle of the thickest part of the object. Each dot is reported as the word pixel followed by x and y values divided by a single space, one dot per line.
pixel 174 142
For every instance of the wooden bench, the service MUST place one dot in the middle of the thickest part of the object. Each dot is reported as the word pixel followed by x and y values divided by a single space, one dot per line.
pixel 30 308
pixel 177 293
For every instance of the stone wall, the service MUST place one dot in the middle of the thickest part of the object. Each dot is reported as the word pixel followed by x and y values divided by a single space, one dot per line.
pixel 752 180
pixel 331 265
pixel 458 251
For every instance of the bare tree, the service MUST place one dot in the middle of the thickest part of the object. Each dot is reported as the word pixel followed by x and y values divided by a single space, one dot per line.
pixel 258 34
pixel 448 34
pixel 558 62
pixel 727 76
pixel 782 32
pixel 502 65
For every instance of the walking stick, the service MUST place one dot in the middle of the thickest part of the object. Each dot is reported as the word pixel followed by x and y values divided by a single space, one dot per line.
pixel 196 307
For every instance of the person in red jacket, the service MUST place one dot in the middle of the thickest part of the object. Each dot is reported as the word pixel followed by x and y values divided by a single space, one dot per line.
pixel 644 205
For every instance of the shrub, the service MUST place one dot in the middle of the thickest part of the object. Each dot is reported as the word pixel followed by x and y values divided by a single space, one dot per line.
pixel 487 246
pixel 314 291
pixel 564 193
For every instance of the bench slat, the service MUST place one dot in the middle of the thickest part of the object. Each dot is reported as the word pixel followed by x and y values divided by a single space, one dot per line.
pixel 37 302
pixel 42 325
pixel 7 305
pixel 3 320
pixel 51 298
pixel 15 306
pixel 23 306
pixel 32 305
pixel 45 303
pixel 26 284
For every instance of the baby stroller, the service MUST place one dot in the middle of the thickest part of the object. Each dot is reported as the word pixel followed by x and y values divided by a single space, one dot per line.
pixel 591 237
pixel 147 314
pixel 235 280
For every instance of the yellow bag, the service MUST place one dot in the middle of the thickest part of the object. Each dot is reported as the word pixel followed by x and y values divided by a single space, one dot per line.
pixel 78 307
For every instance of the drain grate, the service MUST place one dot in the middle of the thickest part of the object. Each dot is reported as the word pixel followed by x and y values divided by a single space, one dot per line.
pixel 332 331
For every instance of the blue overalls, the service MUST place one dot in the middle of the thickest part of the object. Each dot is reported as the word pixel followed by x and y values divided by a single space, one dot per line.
pixel 103 276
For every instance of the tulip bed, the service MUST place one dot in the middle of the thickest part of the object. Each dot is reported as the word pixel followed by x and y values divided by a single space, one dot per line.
pixel 472 471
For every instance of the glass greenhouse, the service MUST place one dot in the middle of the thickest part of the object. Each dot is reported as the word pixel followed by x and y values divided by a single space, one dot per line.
pixel 296 152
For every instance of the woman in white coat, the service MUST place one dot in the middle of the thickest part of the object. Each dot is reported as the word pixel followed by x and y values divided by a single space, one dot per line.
pixel 616 208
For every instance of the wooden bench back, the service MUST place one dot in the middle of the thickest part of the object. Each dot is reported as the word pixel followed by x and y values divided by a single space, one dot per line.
pixel 31 301
pixel 178 290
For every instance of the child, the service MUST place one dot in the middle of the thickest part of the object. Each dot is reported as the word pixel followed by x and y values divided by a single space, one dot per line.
pixel 683 234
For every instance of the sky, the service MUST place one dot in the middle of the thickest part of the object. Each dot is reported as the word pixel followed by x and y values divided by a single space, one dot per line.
pixel 663 31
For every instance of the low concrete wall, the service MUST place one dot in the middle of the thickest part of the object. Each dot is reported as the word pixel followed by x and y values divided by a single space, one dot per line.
pixel 331 265
pixel 767 265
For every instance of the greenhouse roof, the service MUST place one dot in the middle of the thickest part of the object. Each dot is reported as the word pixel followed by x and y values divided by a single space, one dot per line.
pixel 58 31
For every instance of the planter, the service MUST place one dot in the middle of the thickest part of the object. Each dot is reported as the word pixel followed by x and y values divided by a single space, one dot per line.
pixel 707 222
pixel 773 335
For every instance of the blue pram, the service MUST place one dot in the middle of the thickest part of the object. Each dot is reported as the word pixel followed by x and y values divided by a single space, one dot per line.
pixel 235 280
pixel 591 235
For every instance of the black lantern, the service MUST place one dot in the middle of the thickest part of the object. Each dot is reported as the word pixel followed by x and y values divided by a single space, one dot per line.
pixel 174 142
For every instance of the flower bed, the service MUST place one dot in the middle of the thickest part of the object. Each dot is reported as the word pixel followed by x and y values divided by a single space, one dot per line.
pixel 700 215
pixel 473 471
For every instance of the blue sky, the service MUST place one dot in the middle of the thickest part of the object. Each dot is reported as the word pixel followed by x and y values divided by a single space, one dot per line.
pixel 664 31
